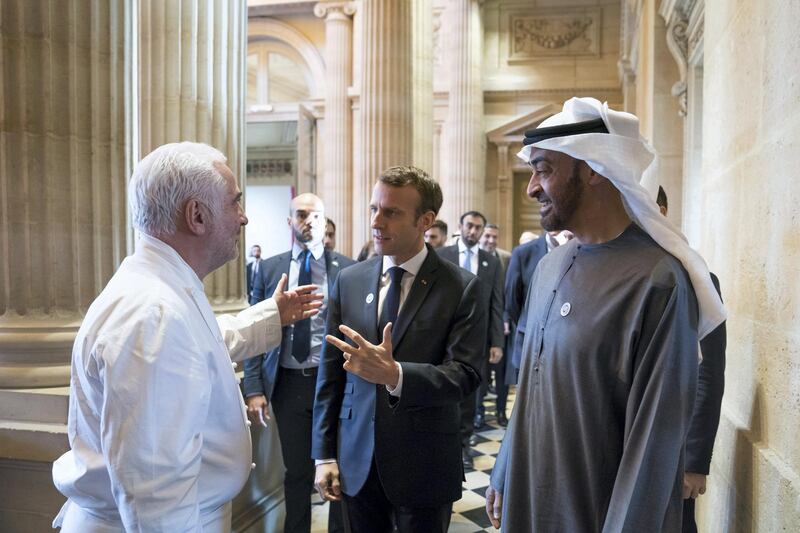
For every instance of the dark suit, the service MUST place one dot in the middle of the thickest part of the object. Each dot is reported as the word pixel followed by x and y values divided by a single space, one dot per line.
pixel 490 274
pixel 524 259
pixel 405 450
pixel 250 280
pixel 705 417
pixel 291 396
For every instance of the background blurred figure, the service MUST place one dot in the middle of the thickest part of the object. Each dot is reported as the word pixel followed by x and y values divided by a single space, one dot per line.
pixel 253 264
pixel 467 253
pixel 367 251
pixel 436 235
pixel 286 376
pixel 330 235
pixel 526 236
pixel 491 234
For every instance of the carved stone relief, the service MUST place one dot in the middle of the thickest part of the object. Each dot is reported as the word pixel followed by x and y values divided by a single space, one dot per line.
pixel 554 34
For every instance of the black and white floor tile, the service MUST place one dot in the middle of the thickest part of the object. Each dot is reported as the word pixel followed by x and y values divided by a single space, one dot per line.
pixel 469 513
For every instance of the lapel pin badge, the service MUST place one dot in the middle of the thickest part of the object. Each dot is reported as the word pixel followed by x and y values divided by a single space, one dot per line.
pixel 370 297
pixel 566 308
pixel 485 263
pixel 423 281
pixel 335 263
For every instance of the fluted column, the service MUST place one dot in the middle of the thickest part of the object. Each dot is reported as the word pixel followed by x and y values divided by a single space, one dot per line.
pixel 463 172
pixel 193 89
pixel 337 184
pixel 386 103
pixel 422 65
pixel 66 104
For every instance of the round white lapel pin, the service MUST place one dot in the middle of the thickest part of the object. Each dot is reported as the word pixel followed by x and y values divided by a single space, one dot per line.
pixel 370 297
pixel 485 263
pixel 566 308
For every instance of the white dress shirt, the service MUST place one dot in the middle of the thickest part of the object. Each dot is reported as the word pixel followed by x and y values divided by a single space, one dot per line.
pixel 157 427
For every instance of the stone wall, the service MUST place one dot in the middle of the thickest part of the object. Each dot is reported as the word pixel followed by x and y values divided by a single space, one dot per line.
pixel 751 238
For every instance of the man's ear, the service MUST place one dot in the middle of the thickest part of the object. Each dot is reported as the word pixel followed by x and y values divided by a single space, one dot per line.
pixel 427 219
pixel 196 217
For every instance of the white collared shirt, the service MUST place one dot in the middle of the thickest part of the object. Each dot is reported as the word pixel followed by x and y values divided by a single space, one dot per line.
pixel 462 252
pixel 319 277
pixel 157 427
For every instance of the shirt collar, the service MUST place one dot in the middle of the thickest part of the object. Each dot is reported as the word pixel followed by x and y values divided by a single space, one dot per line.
pixel 463 247
pixel 317 251
pixel 411 266
pixel 149 246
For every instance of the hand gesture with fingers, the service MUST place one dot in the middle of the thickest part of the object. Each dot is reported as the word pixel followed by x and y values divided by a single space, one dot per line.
pixel 326 480
pixel 297 304
pixel 366 360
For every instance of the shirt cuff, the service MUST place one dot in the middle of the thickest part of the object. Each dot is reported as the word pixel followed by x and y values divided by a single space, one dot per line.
pixel 399 389
pixel 318 462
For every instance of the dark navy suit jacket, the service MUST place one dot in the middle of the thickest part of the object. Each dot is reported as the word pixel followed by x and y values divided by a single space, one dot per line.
pixel 261 371
pixel 524 259
pixel 439 341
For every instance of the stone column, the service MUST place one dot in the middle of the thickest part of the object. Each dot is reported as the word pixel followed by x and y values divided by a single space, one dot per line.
pixel 464 157
pixel 192 75
pixel 505 197
pixel 422 67
pixel 337 189
pixel 66 106
pixel 386 103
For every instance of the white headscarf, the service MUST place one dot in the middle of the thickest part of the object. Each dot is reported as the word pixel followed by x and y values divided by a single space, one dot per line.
pixel 623 156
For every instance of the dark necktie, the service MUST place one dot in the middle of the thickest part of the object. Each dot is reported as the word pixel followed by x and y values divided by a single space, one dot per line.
pixel 301 342
pixel 392 302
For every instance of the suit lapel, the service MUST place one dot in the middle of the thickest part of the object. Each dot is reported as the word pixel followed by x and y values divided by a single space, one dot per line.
pixel 483 265
pixel 332 266
pixel 423 282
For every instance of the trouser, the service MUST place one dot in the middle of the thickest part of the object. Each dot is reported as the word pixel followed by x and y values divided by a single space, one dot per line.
pixel 500 386
pixel 370 511
pixel 468 409
pixel 292 404
pixel 689 525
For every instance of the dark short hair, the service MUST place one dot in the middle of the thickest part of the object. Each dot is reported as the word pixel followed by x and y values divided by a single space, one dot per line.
pixel 329 221
pixel 661 199
pixel 429 191
pixel 441 225
pixel 472 214
pixel 490 225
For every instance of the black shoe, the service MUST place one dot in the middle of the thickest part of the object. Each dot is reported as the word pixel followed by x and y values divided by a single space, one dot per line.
pixel 478 422
pixel 466 460
pixel 502 419
pixel 473 440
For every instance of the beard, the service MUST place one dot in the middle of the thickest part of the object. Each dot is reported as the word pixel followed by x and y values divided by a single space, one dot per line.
pixel 564 205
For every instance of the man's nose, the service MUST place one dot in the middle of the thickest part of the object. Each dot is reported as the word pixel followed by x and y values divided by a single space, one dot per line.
pixel 534 187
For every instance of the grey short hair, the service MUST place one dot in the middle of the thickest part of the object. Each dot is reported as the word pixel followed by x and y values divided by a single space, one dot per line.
pixel 167 178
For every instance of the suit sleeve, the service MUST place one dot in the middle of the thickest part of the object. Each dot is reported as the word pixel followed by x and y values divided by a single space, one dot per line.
pixel 658 410
pixel 710 388
pixel 429 385
pixel 151 439
pixel 513 289
pixel 496 330
pixel 331 379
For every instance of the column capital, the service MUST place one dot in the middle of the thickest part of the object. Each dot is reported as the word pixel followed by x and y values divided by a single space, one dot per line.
pixel 335 10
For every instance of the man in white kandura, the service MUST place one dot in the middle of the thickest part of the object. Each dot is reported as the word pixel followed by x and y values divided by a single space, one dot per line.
pixel 157 425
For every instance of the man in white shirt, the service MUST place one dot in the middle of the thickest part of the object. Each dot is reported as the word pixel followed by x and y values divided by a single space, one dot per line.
pixel 157 426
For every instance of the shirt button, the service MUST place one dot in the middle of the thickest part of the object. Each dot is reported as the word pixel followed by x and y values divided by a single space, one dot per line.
pixel 248 423
pixel 235 365
pixel 252 466
pixel 238 380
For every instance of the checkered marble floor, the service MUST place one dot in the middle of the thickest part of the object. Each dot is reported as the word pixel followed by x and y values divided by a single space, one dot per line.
pixel 469 513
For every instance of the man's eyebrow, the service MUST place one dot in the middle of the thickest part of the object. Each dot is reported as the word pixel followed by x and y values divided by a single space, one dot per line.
pixel 539 159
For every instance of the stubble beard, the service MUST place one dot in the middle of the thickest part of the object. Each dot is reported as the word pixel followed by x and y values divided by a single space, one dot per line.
pixel 558 217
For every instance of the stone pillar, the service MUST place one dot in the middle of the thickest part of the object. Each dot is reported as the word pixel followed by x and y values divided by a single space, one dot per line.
pixel 193 89
pixel 505 198
pixel 386 103
pixel 422 67
pixel 66 106
pixel 463 174
pixel 337 190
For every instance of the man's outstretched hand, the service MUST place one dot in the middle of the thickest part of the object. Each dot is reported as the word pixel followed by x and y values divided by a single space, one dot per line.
pixel 296 304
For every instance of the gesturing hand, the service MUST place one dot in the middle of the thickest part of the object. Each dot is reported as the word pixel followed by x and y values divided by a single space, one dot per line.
pixel 366 360
pixel 296 304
